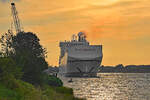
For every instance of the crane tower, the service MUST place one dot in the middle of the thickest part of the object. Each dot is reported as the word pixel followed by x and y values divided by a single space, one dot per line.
pixel 16 20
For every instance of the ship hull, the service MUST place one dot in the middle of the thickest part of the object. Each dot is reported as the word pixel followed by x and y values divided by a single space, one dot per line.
pixel 81 61
pixel 82 68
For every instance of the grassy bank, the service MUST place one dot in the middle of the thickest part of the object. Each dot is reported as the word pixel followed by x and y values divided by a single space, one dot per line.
pixel 24 91
pixel 22 66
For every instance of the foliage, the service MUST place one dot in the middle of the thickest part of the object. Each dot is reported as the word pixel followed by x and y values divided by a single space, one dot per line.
pixel 23 91
pixel 8 94
pixel 64 90
pixel 28 41
pixel 28 48
pixel 25 49
pixel 9 69
pixel 59 93
pixel 6 43
pixel 26 91
pixel 52 80
pixel 22 57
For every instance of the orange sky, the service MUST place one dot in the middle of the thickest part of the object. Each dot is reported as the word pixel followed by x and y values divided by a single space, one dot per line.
pixel 121 26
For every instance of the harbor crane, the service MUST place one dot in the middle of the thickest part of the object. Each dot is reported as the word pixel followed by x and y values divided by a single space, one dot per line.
pixel 16 20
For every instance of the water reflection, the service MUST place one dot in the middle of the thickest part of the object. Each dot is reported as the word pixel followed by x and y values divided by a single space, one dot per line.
pixel 112 86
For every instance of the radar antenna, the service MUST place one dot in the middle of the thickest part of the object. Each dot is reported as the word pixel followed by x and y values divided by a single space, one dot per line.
pixel 15 18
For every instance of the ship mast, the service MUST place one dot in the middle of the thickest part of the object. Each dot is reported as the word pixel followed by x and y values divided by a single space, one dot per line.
pixel 16 20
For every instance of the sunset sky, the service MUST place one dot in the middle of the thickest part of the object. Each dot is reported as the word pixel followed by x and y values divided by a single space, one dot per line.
pixel 121 26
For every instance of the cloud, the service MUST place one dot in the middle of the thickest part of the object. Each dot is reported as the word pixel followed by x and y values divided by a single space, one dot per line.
pixel 6 1
pixel 130 20
pixel 111 24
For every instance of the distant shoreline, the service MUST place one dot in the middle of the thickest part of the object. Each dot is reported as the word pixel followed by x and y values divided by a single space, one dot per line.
pixel 125 69
pixel 123 72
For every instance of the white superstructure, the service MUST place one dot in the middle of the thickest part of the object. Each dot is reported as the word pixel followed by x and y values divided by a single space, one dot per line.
pixel 78 57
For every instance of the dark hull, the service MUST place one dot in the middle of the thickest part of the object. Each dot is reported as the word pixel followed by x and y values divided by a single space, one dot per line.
pixel 78 74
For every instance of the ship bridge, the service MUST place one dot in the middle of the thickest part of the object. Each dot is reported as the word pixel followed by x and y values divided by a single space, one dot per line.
pixel 76 40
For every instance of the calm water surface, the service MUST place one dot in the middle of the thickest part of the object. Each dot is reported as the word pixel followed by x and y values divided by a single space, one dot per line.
pixel 112 86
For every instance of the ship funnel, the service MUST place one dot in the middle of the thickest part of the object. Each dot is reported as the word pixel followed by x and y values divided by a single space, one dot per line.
pixel 81 37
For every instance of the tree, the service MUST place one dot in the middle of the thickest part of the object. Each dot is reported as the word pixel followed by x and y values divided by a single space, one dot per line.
pixel 6 44
pixel 9 69
pixel 28 42
pixel 25 49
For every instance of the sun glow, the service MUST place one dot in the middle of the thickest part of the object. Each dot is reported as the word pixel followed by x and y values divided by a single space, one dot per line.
pixel 103 2
pixel 119 25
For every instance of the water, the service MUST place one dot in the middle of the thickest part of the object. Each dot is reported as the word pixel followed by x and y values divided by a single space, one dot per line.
pixel 112 86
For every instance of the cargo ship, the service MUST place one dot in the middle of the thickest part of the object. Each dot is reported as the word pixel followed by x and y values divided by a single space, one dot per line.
pixel 78 58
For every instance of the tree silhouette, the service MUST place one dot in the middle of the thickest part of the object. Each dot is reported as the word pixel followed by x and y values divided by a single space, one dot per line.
pixel 25 49
pixel 31 54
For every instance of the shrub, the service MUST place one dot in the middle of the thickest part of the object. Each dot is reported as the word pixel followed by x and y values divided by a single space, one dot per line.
pixel 8 94
pixel 59 93
pixel 52 80
pixel 64 90
pixel 8 68
pixel 20 91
